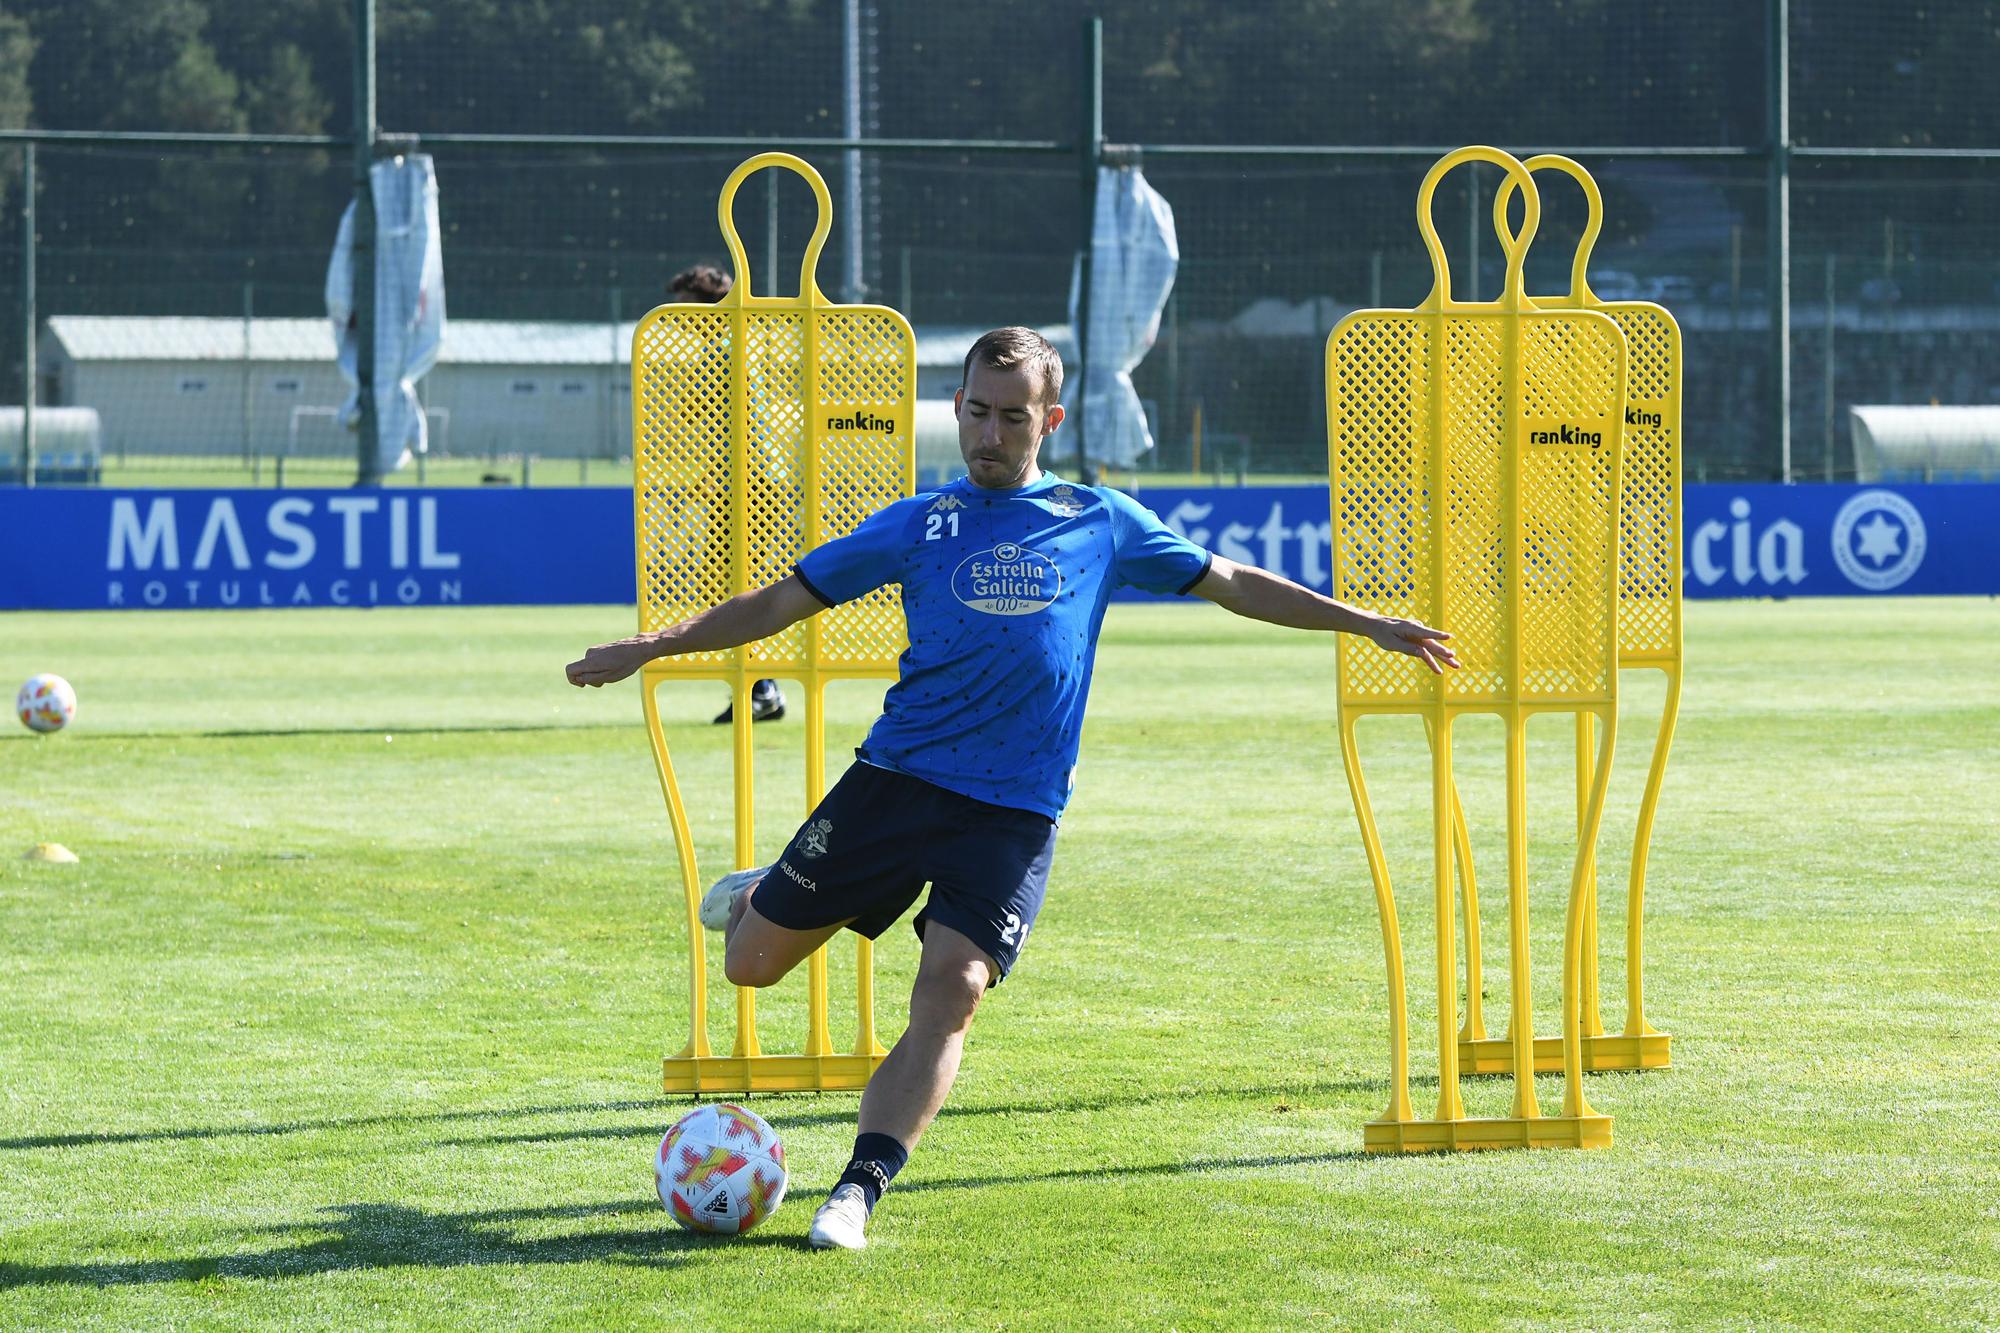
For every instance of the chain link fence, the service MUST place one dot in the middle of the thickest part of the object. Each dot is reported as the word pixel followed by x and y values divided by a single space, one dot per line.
pixel 179 288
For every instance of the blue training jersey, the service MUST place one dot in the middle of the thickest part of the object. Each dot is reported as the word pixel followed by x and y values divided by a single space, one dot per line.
pixel 1004 592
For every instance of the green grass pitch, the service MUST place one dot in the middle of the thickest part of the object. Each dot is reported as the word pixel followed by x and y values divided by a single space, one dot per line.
pixel 351 1015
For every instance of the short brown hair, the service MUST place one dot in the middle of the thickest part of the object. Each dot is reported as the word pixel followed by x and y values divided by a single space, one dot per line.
pixel 703 282
pixel 1003 349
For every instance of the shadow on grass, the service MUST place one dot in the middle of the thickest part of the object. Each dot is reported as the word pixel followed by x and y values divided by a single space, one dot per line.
pixel 1195 1167
pixel 470 729
pixel 311 1126
pixel 671 1108
pixel 375 1235
pixel 1167 1098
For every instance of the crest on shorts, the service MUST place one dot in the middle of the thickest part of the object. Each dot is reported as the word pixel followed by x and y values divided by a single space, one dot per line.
pixel 812 841
pixel 1065 501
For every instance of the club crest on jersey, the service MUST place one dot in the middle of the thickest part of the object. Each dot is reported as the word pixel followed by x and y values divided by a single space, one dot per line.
pixel 1008 580
pixel 1065 501
pixel 944 504
pixel 812 842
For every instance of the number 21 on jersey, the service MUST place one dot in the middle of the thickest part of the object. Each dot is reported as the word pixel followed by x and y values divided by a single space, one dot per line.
pixel 935 525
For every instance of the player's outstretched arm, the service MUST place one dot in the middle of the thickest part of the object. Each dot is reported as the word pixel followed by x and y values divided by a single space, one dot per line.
pixel 744 618
pixel 1262 595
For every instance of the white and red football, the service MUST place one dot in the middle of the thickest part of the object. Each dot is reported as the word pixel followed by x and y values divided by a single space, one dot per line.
pixel 721 1169
pixel 46 703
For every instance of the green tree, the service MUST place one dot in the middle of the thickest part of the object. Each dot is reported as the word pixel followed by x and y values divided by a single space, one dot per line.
pixel 282 96
pixel 17 52
pixel 109 64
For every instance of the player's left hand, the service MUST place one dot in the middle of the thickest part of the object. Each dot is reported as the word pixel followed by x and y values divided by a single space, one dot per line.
pixel 1417 639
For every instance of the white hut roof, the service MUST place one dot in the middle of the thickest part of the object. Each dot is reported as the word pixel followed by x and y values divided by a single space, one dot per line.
pixel 190 338
pixel 466 341
pixel 184 338
pixel 1924 438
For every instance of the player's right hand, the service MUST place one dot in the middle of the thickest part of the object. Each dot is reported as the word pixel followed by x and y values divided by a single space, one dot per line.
pixel 608 662
pixel 1417 639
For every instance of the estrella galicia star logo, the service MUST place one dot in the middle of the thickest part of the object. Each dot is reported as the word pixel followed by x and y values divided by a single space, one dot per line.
pixel 1878 540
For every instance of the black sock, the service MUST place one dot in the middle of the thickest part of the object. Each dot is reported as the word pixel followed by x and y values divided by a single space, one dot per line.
pixel 877 1159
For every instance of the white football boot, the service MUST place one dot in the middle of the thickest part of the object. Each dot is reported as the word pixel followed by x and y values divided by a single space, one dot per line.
pixel 841 1222
pixel 722 896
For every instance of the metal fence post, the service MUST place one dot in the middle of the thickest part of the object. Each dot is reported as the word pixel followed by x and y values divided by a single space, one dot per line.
pixel 770 238
pixel 616 364
pixel 1778 240
pixel 1472 229
pixel 1828 476
pixel 851 284
pixel 249 316
pixel 28 315
pixel 367 443
pixel 1090 147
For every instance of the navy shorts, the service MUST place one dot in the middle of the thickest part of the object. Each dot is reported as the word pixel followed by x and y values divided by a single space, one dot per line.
pixel 878 837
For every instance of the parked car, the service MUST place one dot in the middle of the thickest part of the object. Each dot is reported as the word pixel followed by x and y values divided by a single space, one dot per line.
pixel 1615 284
pixel 1719 294
pixel 1669 290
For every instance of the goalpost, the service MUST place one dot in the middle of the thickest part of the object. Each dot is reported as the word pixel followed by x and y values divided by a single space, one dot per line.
pixel 316 432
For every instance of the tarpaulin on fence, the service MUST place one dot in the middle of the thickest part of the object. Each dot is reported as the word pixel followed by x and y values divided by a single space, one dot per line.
pixel 409 304
pixel 1134 254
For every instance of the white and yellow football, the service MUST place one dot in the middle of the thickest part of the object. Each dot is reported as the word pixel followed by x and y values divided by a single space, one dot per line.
pixel 721 1169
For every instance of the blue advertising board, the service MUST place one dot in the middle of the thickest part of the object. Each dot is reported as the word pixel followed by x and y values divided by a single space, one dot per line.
pixel 174 550
pixel 1753 540
pixel 63 548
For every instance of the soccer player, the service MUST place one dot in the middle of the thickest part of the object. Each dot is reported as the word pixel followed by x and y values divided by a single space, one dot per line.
pixel 1005 576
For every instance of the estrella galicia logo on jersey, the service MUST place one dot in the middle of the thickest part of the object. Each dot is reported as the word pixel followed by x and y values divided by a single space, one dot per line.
pixel 1009 580
pixel 812 841
pixel 1884 551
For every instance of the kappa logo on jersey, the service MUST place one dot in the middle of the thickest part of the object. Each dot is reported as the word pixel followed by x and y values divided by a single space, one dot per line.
pixel 944 504
pixel 1009 580
pixel 1065 501
pixel 812 842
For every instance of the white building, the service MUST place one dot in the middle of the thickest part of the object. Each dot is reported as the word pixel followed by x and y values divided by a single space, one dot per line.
pixel 234 387
pixel 237 388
